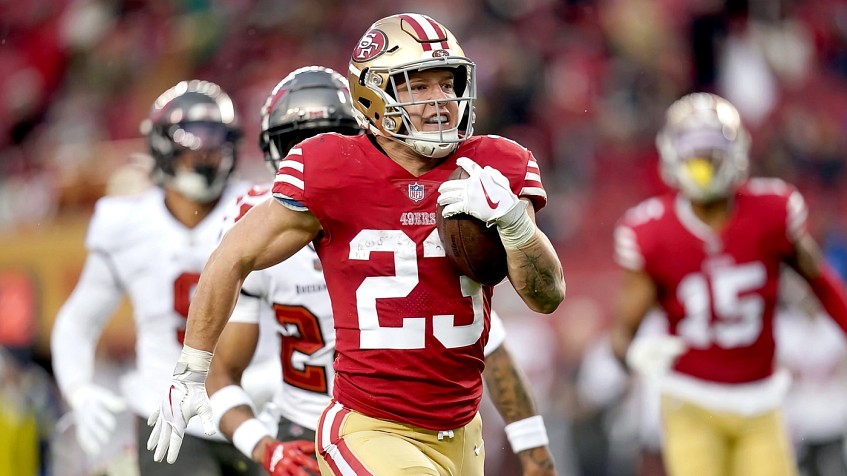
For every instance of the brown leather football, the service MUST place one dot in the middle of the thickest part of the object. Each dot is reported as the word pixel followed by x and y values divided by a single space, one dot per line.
pixel 473 248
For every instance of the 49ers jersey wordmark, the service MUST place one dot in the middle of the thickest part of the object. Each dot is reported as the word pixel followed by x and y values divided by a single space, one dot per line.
pixel 410 330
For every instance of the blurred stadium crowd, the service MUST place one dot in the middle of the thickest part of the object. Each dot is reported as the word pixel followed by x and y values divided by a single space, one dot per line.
pixel 582 83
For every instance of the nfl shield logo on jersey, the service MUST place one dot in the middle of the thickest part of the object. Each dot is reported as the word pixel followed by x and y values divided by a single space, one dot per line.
pixel 416 191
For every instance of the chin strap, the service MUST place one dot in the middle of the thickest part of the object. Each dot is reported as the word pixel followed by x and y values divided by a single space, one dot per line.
pixel 430 147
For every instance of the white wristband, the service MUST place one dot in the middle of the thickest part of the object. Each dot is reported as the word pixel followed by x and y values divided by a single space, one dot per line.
pixel 248 435
pixel 228 398
pixel 516 228
pixel 527 433
pixel 196 360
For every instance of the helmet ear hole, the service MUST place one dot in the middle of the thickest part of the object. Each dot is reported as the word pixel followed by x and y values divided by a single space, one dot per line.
pixel 467 119
pixel 460 80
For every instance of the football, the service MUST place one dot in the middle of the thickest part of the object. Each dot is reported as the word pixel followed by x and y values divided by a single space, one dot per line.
pixel 473 248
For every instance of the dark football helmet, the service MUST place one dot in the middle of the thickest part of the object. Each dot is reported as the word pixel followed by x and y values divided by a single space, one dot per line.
pixel 193 116
pixel 309 101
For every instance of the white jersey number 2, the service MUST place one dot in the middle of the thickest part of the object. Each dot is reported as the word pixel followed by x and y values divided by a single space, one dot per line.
pixel 411 335
pixel 738 310
pixel 307 340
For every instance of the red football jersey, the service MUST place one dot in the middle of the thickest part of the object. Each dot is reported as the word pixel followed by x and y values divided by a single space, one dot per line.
pixel 718 289
pixel 410 330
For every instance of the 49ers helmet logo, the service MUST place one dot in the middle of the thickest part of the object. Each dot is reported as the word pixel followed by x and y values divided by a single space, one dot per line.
pixel 370 46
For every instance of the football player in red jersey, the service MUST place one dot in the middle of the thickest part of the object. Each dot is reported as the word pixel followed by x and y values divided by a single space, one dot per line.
pixel 410 330
pixel 292 300
pixel 710 256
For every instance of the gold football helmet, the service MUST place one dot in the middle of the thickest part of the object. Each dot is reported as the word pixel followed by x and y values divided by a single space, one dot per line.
pixel 382 60
pixel 703 147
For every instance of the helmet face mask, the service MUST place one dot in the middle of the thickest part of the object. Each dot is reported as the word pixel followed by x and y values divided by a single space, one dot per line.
pixel 448 108
pixel 309 101
pixel 703 147
pixel 193 132
pixel 387 57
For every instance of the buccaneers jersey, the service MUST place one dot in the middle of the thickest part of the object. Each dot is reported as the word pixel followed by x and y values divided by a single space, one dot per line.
pixel 718 289
pixel 290 302
pixel 156 262
pixel 410 330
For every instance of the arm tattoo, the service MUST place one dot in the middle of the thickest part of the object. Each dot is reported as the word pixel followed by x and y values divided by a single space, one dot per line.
pixel 508 387
pixel 540 280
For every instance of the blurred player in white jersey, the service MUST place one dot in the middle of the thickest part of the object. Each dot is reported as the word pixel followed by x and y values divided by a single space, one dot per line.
pixel 291 300
pixel 151 247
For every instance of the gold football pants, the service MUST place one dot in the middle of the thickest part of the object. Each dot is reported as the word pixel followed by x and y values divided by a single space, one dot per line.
pixel 350 443
pixel 703 442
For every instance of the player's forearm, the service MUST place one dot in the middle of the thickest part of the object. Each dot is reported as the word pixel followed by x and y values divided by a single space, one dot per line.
pixel 830 291
pixel 509 391
pixel 507 386
pixel 220 376
pixel 620 338
pixel 233 418
pixel 537 462
pixel 235 415
pixel 536 273
pixel 214 301
pixel 823 280
pixel 80 322
pixel 637 295
pixel 72 352
pixel 240 425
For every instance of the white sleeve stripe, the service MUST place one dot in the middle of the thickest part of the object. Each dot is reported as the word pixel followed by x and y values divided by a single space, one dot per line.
pixel 797 216
pixel 532 164
pixel 298 166
pixel 533 191
pixel 295 151
pixel 632 261
pixel 531 177
pixel 285 178
pixel 635 263
pixel 625 237
pixel 627 252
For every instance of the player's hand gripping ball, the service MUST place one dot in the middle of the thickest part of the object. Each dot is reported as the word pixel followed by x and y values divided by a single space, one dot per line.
pixel 474 248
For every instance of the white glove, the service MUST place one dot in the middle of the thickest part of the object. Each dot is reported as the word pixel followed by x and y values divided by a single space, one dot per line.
pixel 653 356
pixel 94 408
pixel 186 398
pixel 485 195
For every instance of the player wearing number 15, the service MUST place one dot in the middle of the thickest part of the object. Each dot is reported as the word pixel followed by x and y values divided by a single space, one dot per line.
pixel 410 330
pixel 710 256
